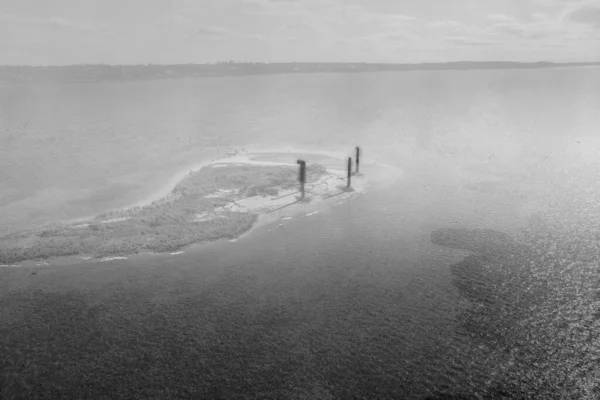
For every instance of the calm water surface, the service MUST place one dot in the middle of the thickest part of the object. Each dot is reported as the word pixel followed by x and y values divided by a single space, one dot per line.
pixel 354 302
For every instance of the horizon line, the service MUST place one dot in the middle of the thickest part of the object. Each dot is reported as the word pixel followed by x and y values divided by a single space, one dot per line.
pixel 300 62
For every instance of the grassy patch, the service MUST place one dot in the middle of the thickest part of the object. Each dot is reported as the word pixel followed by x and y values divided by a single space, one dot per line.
pixel 165 225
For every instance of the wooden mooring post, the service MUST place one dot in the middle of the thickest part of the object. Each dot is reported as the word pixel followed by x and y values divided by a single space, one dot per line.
pixel 357 158
pixel 302 176
pixel 349 170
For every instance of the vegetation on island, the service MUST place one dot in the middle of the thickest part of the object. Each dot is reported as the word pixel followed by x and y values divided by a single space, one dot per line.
pixel 195 211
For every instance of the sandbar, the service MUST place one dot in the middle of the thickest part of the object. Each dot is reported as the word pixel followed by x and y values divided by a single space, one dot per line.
pixel 221 200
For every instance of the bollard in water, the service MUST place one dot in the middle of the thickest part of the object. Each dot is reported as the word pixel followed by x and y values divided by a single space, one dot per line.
pixel 349 170
pixel 302 176
pixel 357 158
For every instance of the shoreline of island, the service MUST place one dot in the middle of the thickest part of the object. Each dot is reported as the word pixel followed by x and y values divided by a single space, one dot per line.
pixel 224 199
pixel 233 154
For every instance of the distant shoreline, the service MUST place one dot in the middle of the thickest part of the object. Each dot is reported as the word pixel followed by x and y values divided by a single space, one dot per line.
pixel 102 73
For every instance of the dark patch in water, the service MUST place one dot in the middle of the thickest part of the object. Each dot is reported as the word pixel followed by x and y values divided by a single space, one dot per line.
pixel 482 241
pixel 520 306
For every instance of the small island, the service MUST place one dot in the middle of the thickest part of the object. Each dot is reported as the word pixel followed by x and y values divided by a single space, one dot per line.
pixel 222 200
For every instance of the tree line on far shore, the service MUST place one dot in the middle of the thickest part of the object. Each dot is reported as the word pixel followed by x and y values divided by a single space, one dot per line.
pixel 102 72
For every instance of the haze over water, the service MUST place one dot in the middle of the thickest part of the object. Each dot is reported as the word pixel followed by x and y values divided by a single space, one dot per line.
pixel 352 301
pixel 76 149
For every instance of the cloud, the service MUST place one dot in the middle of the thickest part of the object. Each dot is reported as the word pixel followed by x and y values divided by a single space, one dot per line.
pixel 324 20
pixel 392 36
pixel 211 31
pixel 64 23
pixel 404 36
pixel 380 44
pixel 359 15
pixel 587 15
pixel 266 3
pixel 56 22
pixel 538 16
pixel 281 9
pixel 293 26
pixel 553 3
pixel 538 45
pixel 511 28
pixel 262 3
pixel 256 36
pixel 389 18
pixel 455 28
pixel 446 24
pixel 470 41
pixel 382 23
pixel 545 3
pixel 501 17
pixel 301 28
pixel 534 30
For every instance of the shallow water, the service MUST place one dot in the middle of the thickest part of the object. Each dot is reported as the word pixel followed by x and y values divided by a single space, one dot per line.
pixel 353 302
pixel 74 150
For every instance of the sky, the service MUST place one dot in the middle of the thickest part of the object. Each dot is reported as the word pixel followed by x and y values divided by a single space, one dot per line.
pixel 61 32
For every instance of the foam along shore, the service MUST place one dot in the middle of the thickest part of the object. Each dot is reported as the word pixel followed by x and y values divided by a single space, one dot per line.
pixel 223 199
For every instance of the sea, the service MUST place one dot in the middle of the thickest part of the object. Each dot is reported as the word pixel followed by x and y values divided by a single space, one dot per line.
pixel 353 302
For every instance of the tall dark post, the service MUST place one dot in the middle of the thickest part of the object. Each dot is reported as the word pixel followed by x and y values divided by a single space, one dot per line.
pixel 349 170
pixel 302 176
pixel 357 158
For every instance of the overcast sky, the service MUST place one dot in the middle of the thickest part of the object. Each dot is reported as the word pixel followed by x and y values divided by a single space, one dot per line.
pixel 56 32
